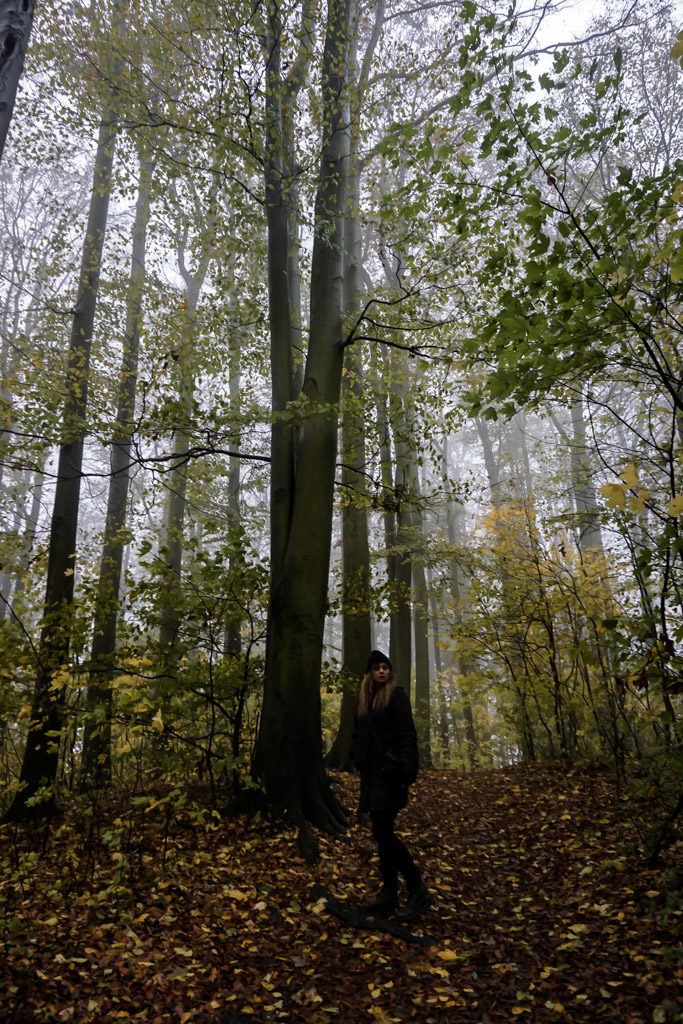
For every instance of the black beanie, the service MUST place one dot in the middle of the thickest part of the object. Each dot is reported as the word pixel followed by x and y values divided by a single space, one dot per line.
pixel 377 658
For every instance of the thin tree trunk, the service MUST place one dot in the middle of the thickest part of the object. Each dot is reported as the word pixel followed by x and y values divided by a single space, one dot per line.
pixel 96 764
pixel 8 360
pixel 28 542
pixel 279 303
pixel 389 502
pixel 583 489
pixel 39 767
pixel 174 518
pixel 459 591
pixel 401 619
pixel 174 521
pixel 422 674
pixel 232 644
pixel 357 624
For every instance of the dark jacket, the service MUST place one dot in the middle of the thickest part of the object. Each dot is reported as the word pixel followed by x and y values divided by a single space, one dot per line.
pixel 384 749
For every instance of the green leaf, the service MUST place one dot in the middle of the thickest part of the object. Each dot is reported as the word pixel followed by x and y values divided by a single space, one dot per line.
pixel 677 49
pixel 677 267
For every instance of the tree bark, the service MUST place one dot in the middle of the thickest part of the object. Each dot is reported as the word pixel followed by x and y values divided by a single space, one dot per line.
pixel 388 496
pixel 288 756
pixel 590 536
pixel 412 610
pixel 280 302
pixel 357 625
pixel 16 20
pixel 232 641
pixel 401 647
pixel 422 673
pixel 461 602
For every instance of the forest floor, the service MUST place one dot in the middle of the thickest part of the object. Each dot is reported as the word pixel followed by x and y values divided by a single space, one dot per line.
pixel 544 912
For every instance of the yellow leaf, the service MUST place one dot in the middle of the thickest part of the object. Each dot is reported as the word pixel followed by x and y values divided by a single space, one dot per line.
pixel 637 503
pixel 615 495
pixel 630 475
pixel 447 954
pixel 235 894
pixel 182 951
pixel 158 722
pixel 675 506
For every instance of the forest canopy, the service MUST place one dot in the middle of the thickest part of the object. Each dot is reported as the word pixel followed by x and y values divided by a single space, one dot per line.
pixel 328 326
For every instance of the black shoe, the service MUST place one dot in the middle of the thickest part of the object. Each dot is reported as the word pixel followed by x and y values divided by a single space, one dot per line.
pixel 417 902
pixel 386 903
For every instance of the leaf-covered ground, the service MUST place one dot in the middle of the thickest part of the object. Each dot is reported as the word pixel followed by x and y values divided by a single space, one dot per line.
pixel 543 912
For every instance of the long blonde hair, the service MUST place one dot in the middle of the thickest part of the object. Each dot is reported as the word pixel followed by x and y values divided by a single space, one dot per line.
pixel 381 698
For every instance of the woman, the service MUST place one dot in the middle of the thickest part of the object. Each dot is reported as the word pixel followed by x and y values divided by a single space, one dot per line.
pixel 384 748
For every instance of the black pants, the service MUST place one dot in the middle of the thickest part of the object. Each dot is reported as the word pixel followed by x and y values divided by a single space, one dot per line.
pixel 394 858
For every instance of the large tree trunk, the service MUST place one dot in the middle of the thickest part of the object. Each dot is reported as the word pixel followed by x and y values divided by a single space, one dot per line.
pixel 289 756
pixel 96 767
pixel 39 767
pixel 16 19
pixel 357 624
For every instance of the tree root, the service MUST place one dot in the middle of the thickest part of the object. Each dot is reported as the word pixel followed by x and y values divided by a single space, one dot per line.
pixel 314 806
pixel 355 918
pixel 309 848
